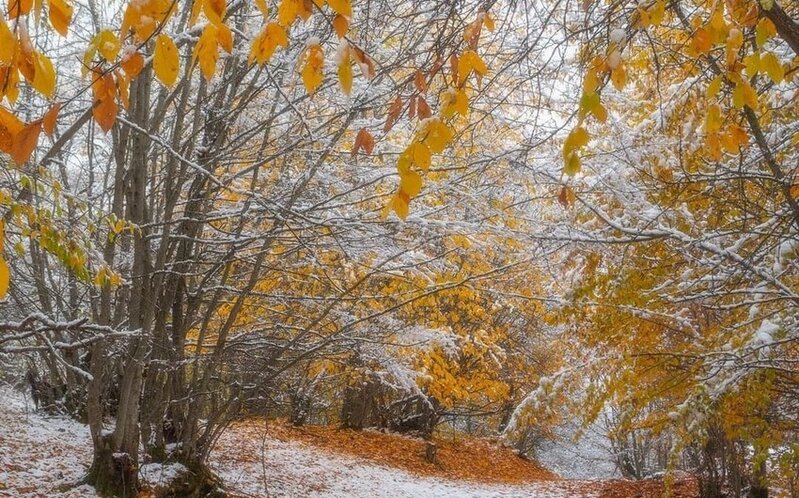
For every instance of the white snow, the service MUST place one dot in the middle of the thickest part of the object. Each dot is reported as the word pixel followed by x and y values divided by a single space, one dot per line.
pixel 41 455
pixel 161 474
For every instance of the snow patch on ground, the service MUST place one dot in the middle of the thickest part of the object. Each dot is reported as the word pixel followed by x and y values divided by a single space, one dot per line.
pixel 161 474
pixel 41 455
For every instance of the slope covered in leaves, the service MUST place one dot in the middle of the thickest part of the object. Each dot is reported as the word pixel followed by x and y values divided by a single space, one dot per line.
pixel 256 458
pixel 457 458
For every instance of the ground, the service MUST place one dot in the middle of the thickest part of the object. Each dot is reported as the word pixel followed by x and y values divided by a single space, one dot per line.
pixel 42 456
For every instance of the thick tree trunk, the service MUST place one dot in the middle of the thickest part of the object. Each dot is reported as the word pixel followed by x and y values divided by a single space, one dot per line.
pixel 112 473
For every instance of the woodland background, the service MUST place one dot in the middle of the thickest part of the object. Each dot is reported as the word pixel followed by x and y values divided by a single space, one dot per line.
pixel 425 216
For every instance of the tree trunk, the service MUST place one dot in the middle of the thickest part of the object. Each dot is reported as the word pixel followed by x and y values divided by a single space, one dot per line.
pixel 112 473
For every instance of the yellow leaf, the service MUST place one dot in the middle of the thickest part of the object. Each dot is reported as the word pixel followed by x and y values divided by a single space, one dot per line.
pixel 488 21
pixel 461 103
pixel 744 94
pixel 411 184
pixel 714 87
pixel 60 16
pixel 773 67
pixel 619 77
pixel 312 72
pixel 765 29
pixel 656 13
pixel 166 62
pixel 206 51
pixel 713 119
pixel 224 36
pixel 261 4
pixel 107 44
pixel 5 278
pixel 577 138
pixel 572 164
pixel 43 76
pixel 342 7
pixel 420 155
pixel 8 44
pixel 264 45
pixel 752 64
pixel 454 101
pixel 469 62
pixel 287 11
pixel 345 76
pixel 400 203
pixel 591 80
pixel 196 8
pixel 345 68
pixel 436 135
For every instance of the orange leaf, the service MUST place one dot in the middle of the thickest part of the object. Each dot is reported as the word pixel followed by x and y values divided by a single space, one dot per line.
pixel 49 119
pixel 105 107
pixel 341 25
pixel 132 63
pixel 18 8
pixel 123 88
pixel 25 142
pixel 60 16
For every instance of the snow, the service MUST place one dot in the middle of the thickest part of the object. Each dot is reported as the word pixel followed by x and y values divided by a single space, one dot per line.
pixel 617 35
pixel 41 455
pixel 765 334
pixel 161 474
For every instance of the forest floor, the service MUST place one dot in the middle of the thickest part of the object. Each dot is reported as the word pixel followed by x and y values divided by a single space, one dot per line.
pixel 42 456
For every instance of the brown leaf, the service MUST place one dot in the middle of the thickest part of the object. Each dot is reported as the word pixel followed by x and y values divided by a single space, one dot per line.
pixel 566 196
pixel 453 64
pixel 437 65
pixel 419 81
pixel 422 109
pixel 394 113
pixel 363 140
pixel 365 62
